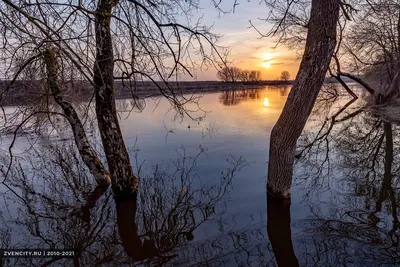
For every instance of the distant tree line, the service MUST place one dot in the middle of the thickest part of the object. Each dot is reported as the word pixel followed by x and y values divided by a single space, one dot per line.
pixel 235 74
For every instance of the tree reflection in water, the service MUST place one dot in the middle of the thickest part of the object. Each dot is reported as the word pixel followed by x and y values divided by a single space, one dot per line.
pixel 347 171
pixel 52 205
pixel 279 232
pixel 346 181
pixel 234 97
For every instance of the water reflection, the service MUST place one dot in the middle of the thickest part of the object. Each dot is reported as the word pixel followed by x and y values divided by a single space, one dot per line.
pixel 266 102
pixel 279 231
pixel 349 163
pixel 267 94
pixel 195 207
pixel 234 97
pixel 177 217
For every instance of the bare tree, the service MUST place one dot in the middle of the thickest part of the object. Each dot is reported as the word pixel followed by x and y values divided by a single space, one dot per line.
pixel 285 76
pixel 245 75
pixel 235 74
pixel 320 45
pixel 124 181
pixel 85 149
pixel 255 76
pixel 229 74
pixel 373 42
pixel 94 44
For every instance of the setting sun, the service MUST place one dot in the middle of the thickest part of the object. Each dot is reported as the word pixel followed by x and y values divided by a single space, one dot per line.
pixel 267 59
pixel 266 64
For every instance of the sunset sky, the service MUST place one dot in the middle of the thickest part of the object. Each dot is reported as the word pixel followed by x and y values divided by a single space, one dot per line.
pixel 248 50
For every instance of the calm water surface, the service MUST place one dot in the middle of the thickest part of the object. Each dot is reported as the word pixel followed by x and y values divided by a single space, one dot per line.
pixel 202 195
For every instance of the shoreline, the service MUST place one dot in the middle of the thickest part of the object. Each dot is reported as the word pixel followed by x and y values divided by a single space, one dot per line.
pixel 33 92
pixel 198 88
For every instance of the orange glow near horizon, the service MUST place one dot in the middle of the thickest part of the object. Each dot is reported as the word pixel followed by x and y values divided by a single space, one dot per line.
pixel 270 63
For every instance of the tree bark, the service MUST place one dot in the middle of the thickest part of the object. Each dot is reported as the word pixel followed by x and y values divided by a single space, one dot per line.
pixel 86 151
pixel 320 45
pixel 122 177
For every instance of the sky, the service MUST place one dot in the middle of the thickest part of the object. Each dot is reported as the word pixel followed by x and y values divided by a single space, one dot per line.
pixel 247 49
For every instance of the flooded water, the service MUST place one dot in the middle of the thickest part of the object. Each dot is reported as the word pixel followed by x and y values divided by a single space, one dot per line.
pixel 203 199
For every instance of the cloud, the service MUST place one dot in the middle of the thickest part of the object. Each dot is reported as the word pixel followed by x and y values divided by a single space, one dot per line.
pixel 277 63
pixel 286 57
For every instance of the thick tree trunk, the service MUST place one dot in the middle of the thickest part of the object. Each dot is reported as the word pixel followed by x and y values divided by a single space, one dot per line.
pixel 122 177
pixel 86 151
pixel 320 44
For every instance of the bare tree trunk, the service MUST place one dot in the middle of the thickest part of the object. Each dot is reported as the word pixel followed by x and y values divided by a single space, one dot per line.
pixel 86 151
pixel 122 177
pixel 320 45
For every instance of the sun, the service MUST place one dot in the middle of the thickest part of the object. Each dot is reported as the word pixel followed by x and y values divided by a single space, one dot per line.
pixel 267 60
pixel 266 64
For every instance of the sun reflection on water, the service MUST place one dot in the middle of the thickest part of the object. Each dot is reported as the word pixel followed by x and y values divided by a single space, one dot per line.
pixel 266 102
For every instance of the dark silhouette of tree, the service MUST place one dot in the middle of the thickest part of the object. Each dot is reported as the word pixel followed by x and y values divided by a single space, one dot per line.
pixel 235 74
pixel 255 76
pixel 229 74
pixel 245 75
pixel 285 76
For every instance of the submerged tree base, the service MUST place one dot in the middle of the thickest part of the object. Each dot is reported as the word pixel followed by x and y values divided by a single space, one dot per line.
pixel 126 193
pixel 283 195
